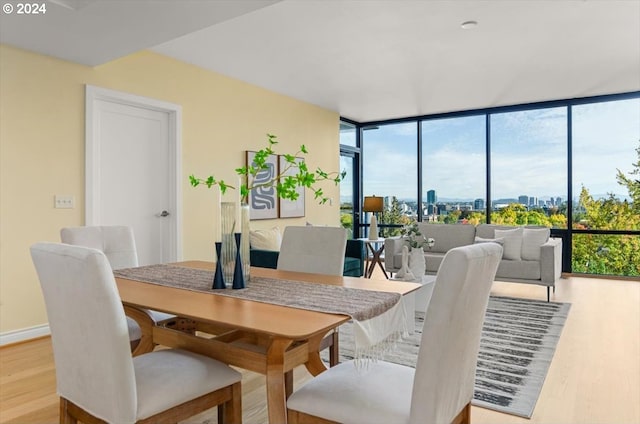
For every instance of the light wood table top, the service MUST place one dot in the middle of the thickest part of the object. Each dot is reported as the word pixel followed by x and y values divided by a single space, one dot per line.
pixel 266 338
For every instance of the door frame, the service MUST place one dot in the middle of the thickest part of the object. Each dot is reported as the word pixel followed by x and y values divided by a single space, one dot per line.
pixel 93 95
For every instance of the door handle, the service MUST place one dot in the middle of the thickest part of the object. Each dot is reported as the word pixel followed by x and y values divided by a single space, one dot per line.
pixel 163 214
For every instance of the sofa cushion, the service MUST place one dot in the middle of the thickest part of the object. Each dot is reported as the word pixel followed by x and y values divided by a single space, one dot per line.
pixel 519 270
pixel 532 239
pixel 500 241
pixel 433 261
pixel 512 243
pixel 265 239
pixel 447 236
pixel 488 230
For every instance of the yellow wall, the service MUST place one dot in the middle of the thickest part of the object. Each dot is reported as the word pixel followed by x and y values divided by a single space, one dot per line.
pixel 42 152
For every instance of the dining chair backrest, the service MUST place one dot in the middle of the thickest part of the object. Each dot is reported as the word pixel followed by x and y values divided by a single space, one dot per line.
pixel 116 242
pixel 94 367
pixel 445 368
pixel 318 250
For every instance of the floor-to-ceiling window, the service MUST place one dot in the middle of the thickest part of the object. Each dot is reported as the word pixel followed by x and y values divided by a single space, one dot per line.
pixel 529 167
pixel 347 193
pixel 390 165
pixel 349 163
pixel 572 165
pixel 454 169
pixel 606 187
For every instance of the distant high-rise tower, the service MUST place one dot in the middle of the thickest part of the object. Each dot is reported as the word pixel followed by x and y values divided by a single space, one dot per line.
pixel 558 201
pixel 478 204
pixel 524 200
pixel 431 197
pixel 533 201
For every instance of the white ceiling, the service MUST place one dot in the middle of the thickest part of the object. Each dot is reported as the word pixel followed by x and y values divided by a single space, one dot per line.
pixel 367 60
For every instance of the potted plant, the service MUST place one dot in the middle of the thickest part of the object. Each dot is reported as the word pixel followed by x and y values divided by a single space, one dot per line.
pixel 286 182
pixel 414 237
pixel 416 240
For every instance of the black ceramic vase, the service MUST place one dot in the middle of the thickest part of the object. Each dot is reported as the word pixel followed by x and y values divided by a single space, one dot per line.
pixel 218 278
pixel 238 277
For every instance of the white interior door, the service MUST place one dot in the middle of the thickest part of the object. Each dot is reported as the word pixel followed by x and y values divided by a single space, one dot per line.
pixel 132 162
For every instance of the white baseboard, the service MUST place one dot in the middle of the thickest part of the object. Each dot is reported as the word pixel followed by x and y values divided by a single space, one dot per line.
pixel 21 335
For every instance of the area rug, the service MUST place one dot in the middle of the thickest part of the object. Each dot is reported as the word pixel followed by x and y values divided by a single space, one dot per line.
pixel 519 338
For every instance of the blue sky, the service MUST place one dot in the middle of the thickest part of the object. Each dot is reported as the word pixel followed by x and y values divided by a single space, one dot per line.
pixel 529 153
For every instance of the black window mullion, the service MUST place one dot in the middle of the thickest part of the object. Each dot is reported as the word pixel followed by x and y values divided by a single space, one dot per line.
pixel 488 166
pixel 419 152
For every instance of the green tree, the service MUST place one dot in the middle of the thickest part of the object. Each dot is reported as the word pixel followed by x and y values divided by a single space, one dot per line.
pixel 476 218
pixel 508 215
pixel 558 220
pixel 393 215
pixel 452 217
pixel 346 220
pixel 633 185
pixel 608 253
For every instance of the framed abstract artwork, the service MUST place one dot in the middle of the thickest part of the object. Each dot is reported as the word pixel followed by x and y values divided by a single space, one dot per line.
pixel 291 208
pixel 263 201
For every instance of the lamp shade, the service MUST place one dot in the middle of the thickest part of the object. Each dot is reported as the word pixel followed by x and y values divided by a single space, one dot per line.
pixel 373 204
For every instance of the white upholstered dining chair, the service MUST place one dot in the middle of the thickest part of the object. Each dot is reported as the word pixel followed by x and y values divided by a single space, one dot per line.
pixel 119 246
pixel 97 378
pixel 440 388
pixel 317 250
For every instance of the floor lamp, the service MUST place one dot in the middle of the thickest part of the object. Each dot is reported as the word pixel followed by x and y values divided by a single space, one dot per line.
pixel 373 204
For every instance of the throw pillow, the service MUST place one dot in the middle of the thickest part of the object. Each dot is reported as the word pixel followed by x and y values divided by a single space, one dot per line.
pixel 532 239
pixel 500 241
pixel 512 243
pixel 266 239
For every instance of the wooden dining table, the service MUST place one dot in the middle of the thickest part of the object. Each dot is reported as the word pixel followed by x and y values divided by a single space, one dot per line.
pixel 261 337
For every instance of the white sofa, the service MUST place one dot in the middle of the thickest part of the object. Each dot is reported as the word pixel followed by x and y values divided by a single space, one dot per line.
pixel 530 255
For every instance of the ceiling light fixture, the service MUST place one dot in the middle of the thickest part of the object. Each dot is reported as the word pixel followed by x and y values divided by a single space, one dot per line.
pixel 469 24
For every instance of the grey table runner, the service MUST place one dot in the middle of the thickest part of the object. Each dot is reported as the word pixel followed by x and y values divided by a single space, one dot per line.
pixel 359 304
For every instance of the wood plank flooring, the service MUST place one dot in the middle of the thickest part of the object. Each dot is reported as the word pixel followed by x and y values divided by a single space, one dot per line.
pixel 594 376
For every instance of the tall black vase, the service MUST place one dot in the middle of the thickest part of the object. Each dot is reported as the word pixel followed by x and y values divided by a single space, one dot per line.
pixel 238 277
pixel 218 278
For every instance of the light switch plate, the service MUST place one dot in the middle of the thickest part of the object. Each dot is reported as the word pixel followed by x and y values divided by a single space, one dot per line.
pixel 64 202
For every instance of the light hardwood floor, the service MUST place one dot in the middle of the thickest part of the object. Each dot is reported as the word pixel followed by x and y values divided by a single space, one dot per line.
pixel 594 376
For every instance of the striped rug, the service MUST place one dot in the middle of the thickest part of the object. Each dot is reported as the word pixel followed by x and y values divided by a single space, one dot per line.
pixel 519 338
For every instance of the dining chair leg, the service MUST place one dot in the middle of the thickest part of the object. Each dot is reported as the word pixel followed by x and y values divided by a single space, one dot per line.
pixel 70 413
pixel 464 417
pixel 65 416
pixel 334 350
pixel 296 417
pixel 230 412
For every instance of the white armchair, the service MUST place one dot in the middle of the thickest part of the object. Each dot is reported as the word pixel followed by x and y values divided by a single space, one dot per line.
pixel 440 389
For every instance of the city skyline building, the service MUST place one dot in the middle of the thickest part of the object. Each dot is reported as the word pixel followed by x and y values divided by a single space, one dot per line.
pixel 432 198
